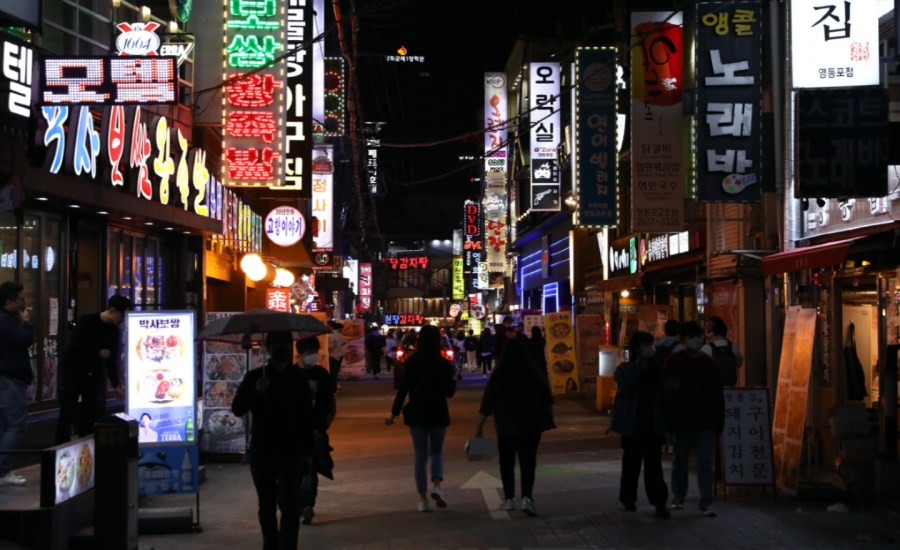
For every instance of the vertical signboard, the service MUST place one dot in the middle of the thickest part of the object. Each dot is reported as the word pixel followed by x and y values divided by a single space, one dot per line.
pixel 543 79
pixel 459 283
pixel 834 44
pixel 15 90
pixel 495 215
pixel 495 116
pixel 253 98
pixel 334 97
pixel 595 137
pixel 299 94
pixel 365 288
pixel 729 102
pixel 746 441
pixel 473 245
pixel 161 396
pixel 321 227
pixel 561 356
pixel 657 166
pixel 495 147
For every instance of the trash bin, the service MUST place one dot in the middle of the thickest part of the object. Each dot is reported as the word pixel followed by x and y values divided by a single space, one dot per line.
pixel 116 482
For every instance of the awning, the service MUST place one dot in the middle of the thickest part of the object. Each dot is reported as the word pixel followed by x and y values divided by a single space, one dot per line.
pixel 618 283
pixel 806 257
pixel 674 262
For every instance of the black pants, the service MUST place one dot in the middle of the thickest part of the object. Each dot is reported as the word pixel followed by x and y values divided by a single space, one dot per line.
pixel 277 483
pixel 83 415
pixel 334 366
pixel 646 448
pixel 525 447
pixel 486 362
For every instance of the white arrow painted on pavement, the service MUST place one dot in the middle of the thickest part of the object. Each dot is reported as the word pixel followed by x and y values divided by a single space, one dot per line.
pixel 488 486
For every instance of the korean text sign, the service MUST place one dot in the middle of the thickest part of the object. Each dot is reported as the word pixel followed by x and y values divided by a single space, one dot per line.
pixel 747 439
pixel 109 80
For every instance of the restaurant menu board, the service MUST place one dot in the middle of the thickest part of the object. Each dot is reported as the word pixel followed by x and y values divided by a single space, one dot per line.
pixel 354 364
pixel 224 366
pixel 789 421
pixel 70 470
pixel 161 396
pixel 746 441
pixel 562 365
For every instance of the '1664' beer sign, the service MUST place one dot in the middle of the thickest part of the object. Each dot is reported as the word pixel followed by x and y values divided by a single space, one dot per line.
pixel 137 38
pixel 285 226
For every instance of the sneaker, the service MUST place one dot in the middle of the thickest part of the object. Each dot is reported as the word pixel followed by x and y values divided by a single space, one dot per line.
pixel 707 512
pixel 12 479
pixel 423 506
pixel 528 506
pixel 509 505
pixel 677 504
pixel 438 497
pixel 662 512
pixel 630 507
pixel 307 515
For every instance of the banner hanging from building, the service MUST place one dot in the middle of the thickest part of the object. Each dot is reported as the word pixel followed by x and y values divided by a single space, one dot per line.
pixel 544 119
pixel 595 123
pixel 728 106
pixel 495 215
pixel 495 115
pixel 657 127
pixel 321 227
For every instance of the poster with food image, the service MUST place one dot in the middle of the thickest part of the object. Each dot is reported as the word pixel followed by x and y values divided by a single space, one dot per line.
pixel 160 359
pixel 354 364
pixel 223 432
pixel 562 361
pixel 590 337
pixel 67 471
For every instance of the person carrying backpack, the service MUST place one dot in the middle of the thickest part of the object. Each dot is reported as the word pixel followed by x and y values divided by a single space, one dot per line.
pixel 723 351
pixel 666 345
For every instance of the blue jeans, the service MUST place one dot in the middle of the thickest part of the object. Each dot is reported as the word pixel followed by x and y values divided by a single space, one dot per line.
pixel 13 413
pixel 428 441
pixel 706 465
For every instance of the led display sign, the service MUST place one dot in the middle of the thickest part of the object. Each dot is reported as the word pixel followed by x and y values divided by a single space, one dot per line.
pixel 416 262
pixel 365 288
pixel 285 226
pixel 106 80
pixel 403 319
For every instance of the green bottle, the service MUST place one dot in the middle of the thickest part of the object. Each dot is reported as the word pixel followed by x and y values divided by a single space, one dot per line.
pixel 189 428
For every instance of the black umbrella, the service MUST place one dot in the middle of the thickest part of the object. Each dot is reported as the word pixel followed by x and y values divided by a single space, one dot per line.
pixel 252 326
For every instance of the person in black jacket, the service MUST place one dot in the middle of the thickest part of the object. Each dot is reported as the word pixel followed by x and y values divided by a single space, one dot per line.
pixel 538 346
pixel 429 380
pixel 281 439
pixel 322 395
pixel 518 396
pixel 16 336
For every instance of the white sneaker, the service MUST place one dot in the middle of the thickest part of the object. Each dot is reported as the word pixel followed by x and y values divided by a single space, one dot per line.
pixel 423 506
pixel 438 497
pixel 528 506
pixel 12 479
pixel 509 505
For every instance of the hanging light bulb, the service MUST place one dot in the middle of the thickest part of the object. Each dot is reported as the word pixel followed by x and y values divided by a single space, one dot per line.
pixel 283 277
pixel 249 261
pixel 258 271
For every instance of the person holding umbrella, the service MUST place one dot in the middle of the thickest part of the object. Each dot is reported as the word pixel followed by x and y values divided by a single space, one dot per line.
pixel 281 439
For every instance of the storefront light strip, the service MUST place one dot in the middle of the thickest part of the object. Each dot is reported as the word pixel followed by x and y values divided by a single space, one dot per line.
pixel 559 262
pixel 532 255
pixel 529 264
pixel 564 250
pixel 559 241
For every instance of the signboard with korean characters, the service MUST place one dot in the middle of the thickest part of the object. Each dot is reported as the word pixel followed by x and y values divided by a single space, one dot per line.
pixel 109 80
pixel 746 441
pixel 562 357
pixel 285 226
pixel 15 88
pixel 834 44
pixel 544 83
pixel 728 107
pixel 161 396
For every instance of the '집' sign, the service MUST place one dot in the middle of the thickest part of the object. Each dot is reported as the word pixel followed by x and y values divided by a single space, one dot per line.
pixel 747 438
pixel 109 80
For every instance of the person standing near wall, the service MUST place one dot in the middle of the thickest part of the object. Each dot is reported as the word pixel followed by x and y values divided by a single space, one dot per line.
pixel 16 336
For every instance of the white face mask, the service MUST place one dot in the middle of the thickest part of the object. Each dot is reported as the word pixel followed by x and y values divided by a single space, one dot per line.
pixel 310 359
pixel 693 343
pixel 648 352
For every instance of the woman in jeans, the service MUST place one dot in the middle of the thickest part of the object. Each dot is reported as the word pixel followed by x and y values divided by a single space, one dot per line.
pixel 518 395
pixel 428 380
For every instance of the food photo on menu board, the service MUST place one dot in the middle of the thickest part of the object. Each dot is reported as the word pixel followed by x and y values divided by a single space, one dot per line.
pixel 160 355
pixel 71 467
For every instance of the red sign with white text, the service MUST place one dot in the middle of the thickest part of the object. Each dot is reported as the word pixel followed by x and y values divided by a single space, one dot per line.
pixel 365 288
pixel 278 299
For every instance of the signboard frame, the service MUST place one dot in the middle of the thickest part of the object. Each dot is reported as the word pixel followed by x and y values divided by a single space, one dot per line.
pixel 738 398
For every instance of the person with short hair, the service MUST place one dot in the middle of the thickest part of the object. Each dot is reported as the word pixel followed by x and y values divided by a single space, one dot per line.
pixel 91 358
pixel 336 348
pixel 724 352
pixel 16 336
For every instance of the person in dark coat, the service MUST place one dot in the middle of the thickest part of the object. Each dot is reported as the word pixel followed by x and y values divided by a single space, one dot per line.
pixel 429 380
pixel 518 396
pixel 322 395
pixel 16 336
pixel 281 440
pixel 486 351
pixel 695 412
pixel 537 344
pixel 637 418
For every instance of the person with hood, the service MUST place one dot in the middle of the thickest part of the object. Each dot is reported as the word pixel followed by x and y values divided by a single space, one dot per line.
pixel 637 418
pixel 429 380
pixel 322 395
pixel 281 441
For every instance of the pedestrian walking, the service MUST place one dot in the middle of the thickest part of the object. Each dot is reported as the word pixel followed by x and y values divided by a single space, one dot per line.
pixel 537 345
pixel 336 348
pixel 375 344
pixel 638 419
pixel 390 350
pixel 470 344
pixel 16 336
pixel 505 331
pixel 668 343
pixel 695 410
pixel 518 396
pixel 724 352
pixel 428 380
pixel 91 359
pixel 486 351
pixel 281 441
pixel 322 395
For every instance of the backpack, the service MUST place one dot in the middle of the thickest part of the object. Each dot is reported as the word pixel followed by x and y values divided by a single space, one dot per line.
pixel 471 343
pixel 727 361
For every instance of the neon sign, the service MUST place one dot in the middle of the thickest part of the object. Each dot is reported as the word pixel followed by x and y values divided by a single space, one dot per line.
pixel 106 80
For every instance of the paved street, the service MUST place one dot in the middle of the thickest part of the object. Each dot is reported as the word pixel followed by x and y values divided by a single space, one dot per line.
pixel 371 504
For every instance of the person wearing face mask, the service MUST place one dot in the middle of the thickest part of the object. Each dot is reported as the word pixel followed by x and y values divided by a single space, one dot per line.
pixel 637 418
pixel 281 439
pixel 322 395
pixel 695 412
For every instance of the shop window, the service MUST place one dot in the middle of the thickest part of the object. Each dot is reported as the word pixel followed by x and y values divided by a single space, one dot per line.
pixel 9 239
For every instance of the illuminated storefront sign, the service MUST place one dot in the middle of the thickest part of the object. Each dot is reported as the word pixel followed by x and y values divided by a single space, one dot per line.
pixel 335 103
pixel 403 319
pixel 655 248
pixel 623 256
pixel 109 80
pixel 473 245
pixel 404 57
pixel 364 305
pixel 137 38
pixel 544 102
pixel 834 44
pixel 285 226
pixel 459 282
pixel 15 92
pixel 415 262
pixel 322 199
pixel 278 299
pixel 372 146
pixel 299 96
pixel 495 215
pixel 496 114
pixel 253 104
